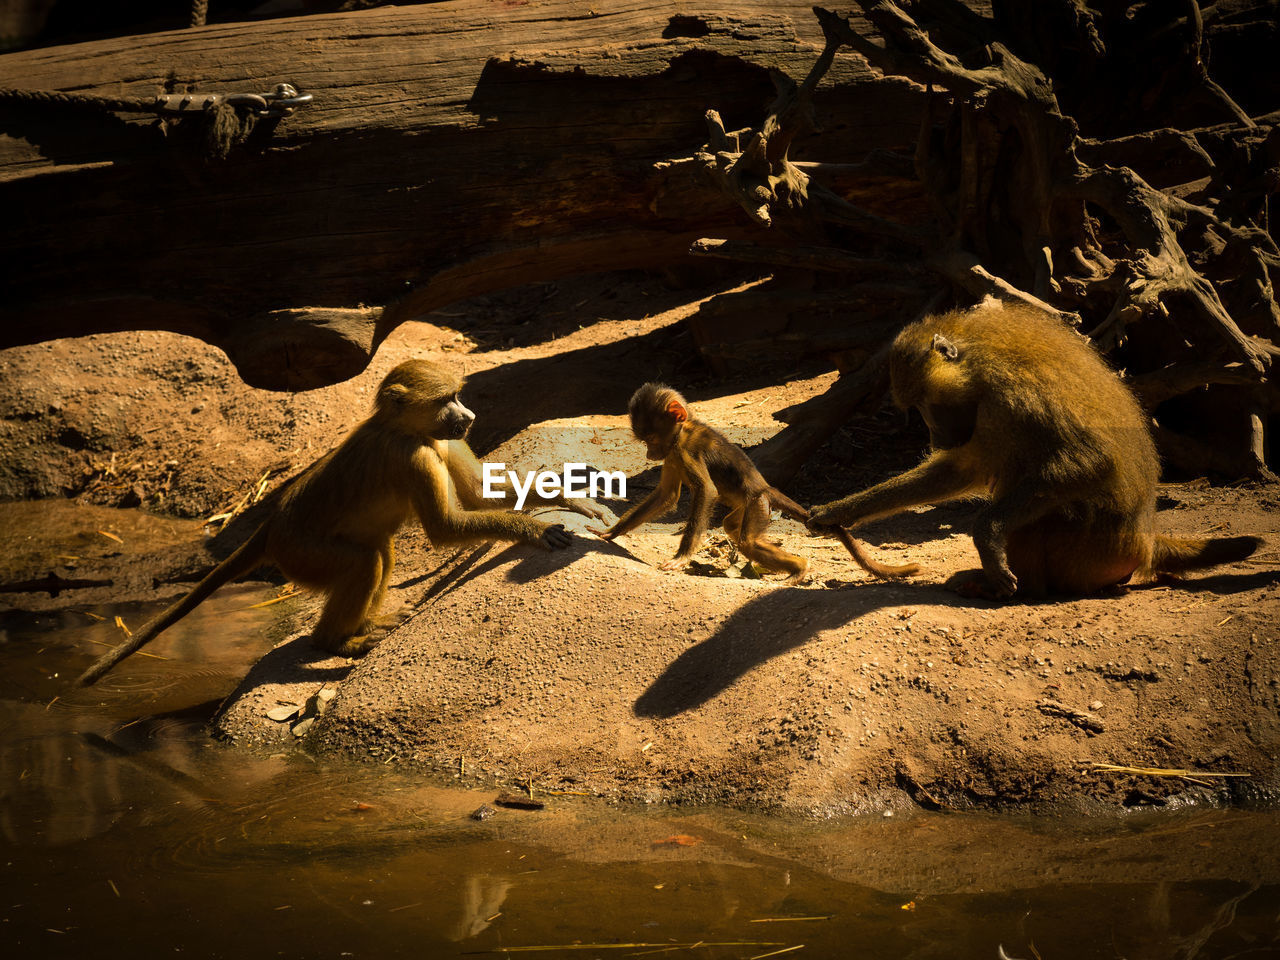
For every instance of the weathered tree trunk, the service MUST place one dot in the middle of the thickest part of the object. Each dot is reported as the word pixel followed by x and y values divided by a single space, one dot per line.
pixel 1177 283
pixel 451 149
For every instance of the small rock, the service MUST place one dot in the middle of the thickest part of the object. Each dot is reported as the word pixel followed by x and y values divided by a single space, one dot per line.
pixel 517 802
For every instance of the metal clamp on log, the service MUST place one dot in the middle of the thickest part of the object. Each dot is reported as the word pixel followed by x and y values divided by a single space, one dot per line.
pixel 280 103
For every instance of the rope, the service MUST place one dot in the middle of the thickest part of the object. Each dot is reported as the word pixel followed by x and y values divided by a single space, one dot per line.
pixel 225 130
pixel 51 97
pixel 199 12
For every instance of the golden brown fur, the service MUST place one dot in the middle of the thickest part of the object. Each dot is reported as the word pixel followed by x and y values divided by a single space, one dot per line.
pixel 1023 412
pixel 332 526
pixel 694 453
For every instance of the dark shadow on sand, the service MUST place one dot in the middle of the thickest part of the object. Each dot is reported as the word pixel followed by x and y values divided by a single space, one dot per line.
pixel 785 619
pixel 1221 584
pixel 763 628
pixel 533 563
pixel 297 661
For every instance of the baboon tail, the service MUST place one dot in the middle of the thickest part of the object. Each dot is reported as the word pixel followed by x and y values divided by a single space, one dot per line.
pixel 789 507
pixel 245 558
pixel 1175 554
pixel 885 571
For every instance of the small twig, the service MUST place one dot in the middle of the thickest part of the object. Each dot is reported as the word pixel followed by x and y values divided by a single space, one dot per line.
pixel 140 653
pixel 777 953
pixel 543 948
pixel 789 919
pixel 1099 767
pixel 273 600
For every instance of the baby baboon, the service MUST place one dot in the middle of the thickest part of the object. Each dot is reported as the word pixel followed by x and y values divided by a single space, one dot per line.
pixel 332 526
pixel 1023 412
pixel 694 453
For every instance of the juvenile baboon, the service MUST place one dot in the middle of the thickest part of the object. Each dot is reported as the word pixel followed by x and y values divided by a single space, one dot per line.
pixel 332 526
pixel 1022 411
pixel 695 453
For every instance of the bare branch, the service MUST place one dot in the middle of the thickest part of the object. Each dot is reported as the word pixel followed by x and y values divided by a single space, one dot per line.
pixel 967 272
pixel 1156 387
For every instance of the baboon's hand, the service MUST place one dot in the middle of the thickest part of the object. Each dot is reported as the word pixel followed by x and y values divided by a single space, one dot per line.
pixel 1002 582
pixel 823 518
pixel 991 584
pixel 675 563
pixel 555 537
pixel 602 533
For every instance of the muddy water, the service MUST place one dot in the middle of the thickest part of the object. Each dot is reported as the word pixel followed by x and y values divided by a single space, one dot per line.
pixel 126 832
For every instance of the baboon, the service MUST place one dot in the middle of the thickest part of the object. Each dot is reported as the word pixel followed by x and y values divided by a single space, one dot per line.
pixel 331 527
pixel 1023 412
pixel 695 453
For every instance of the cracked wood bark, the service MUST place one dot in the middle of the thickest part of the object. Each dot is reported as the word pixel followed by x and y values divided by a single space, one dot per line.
pixel 452 149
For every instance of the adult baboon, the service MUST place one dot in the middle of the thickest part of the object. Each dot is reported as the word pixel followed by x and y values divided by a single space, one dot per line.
pixel 1023 412
pixel 331 527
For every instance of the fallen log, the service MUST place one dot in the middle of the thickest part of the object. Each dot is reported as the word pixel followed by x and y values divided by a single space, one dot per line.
pixel 449 149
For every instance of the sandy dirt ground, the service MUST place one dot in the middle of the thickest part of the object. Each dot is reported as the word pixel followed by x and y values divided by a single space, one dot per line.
pixel 591 671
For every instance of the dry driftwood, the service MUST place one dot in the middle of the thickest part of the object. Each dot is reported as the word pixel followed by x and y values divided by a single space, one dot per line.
pixel 1176 283
pixel 451 149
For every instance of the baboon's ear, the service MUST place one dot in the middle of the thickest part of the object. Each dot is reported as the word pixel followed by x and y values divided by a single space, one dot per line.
pixel 677 411
pixel 945 347
pixel 397 393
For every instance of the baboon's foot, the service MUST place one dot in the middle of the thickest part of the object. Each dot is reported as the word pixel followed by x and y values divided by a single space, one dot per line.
pixel 352 646
pixel 799 576
pixel 1114 590
pixel 384 623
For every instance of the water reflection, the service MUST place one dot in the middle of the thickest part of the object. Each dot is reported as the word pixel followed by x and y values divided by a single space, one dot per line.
pixel 482 899
pixel 126 831
pixel 76 759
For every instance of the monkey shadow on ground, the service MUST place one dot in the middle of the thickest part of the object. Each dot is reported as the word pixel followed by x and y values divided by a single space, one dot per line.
pixel 1221 584
pixel 765 627
pixel 1218 583
pixel 466 565
pixel 598 373
pixel 785 619
pixel 452 568
pixel 301 662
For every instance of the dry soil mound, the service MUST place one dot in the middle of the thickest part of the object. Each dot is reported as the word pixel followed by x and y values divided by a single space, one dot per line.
pixel 590 670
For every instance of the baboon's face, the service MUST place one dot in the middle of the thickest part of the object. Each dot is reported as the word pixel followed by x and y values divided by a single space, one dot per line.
pixel 656 447
pixel 434 418
pixel 657 413
pixel 454 419
pixel 656 430
pixel 424 399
